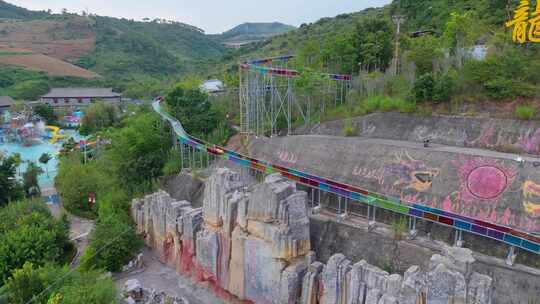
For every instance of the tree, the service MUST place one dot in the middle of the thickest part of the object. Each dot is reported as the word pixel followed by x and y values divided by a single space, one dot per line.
pixel 29 233
pixel 75 181
pixel 139 151
pixel 44 159
pixel 30 180
pixel 112 244
pixel 373 43
pixel 424 51
pixel 10 188
pixel 99 116
pixel 460 32
pixel 191 106
pixel 47 113
pixel 42 286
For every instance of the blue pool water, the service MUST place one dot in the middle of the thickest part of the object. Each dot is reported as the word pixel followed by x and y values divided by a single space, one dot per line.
pixel 34 152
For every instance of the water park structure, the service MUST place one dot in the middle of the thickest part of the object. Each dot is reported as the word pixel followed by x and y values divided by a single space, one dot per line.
pixel 261 100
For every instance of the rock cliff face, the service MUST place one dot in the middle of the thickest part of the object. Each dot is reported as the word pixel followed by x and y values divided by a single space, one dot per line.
pixel 253 245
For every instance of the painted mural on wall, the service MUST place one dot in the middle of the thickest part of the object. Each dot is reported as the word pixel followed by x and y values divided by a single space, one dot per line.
pixel 531 198
pixel 496 190
pixel 411 173
pixel 484 188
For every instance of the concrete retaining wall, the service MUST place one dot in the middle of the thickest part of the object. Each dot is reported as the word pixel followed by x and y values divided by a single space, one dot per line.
pixel 485 133
pixel 481 184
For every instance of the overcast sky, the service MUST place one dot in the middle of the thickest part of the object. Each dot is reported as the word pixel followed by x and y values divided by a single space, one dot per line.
pixel 214 16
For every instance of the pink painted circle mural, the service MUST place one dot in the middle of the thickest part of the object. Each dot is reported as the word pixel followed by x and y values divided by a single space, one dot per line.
pixel 487 182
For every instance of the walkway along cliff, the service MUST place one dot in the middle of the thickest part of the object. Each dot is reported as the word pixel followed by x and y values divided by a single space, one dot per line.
pixel 252 244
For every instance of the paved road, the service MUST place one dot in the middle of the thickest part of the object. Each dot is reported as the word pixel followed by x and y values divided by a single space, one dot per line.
pixel 437 148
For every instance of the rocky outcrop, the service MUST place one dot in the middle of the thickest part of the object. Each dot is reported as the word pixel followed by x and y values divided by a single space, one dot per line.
pixel 252 244
pixel 449 280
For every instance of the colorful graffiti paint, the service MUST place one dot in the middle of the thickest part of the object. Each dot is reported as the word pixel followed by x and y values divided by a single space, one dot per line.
pixel 483 179
pixel 287 157
pixel 531 198
pixel 530 142
pixel 411 173
pixel 376 174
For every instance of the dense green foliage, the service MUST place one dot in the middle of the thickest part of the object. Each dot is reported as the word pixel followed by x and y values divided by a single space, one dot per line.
pixel 525 112
pixel 75 181
pixel 511 72
pixel 10 189
pixel 99 116
pixel 30 180
pixel 434 14
pixel 373 43
pixel 126 47
pixel 53 284
pixel 23 84
pixel 47 113
pixel 139 151
pixel 28 233
pixel 112 243
pixel 191 106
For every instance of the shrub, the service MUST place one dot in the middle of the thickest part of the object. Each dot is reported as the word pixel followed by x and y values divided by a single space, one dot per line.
pixel 173 165
pixel 508 74
pixel 36 283
pixel 525 112
pixel 29 233
pixel 423 87
pixel 113 243
pixel 349 129
pixel 47 113
pixel 443 88
pixel 385 104
pixel 97 117
pixel 75 181
pixel 398 87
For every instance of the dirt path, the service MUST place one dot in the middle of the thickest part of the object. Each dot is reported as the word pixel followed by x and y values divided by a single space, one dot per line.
pixel 79 228
pixel 79 231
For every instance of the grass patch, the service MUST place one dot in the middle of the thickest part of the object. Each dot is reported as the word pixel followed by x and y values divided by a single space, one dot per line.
pixel 387 104
pixel 4 53
pixel 525 112
pixel 349 129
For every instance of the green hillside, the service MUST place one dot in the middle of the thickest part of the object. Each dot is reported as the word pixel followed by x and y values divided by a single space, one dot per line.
pixel 10 11
pixel 125 47
pixel 254 31
pixel 438 71
pixel 137 58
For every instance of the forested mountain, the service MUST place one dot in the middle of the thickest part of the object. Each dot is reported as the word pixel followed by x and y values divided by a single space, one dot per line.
pixel 437 39
pixel 9 11
pixel 254 31
pixel 124 47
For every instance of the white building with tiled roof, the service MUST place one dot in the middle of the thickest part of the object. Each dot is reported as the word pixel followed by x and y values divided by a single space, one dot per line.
pixel 65 97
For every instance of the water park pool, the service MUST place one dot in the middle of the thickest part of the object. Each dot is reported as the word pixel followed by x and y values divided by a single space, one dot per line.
pixel 32 153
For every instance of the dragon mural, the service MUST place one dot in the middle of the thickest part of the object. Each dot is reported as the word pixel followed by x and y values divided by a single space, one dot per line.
pixel 411 173
pixel 531 198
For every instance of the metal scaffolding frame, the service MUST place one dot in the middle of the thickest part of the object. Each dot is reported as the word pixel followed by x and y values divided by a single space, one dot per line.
pixel 269 98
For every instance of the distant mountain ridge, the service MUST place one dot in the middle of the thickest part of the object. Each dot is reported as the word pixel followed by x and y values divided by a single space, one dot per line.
pixel 257 31
pixel 10 11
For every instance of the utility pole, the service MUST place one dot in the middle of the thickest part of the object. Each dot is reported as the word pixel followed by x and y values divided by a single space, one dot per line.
pixel 398 20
